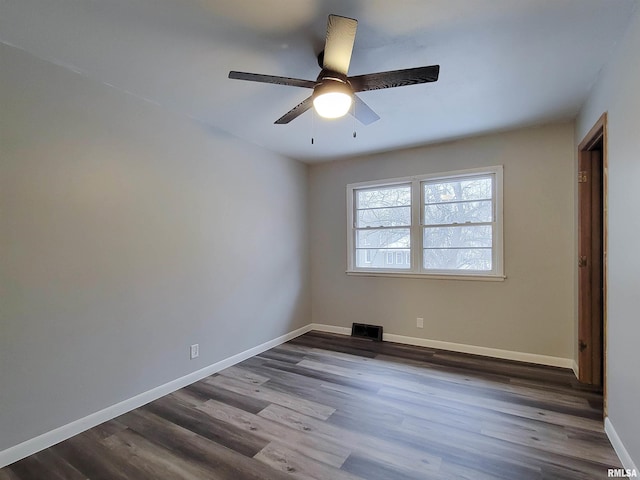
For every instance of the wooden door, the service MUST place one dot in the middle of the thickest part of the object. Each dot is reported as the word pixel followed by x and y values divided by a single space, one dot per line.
pixel 590 263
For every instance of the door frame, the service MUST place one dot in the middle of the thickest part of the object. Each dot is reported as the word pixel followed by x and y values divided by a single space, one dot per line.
pixel 599 133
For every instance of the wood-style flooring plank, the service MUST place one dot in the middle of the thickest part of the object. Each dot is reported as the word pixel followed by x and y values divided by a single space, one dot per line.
pixel 33 466
pixel 300 466
pixel 238 373
pixel 92 458
pixel 198 422
pixel 349 400
pixel 401 457
pixel 9 474
pixel 308 407
pixel 209 392
pixel 320 449
pixel 218 461
pixel 152 459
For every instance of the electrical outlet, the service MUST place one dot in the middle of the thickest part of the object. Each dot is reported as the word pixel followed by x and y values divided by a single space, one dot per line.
pixel 420 322
pixel 195 351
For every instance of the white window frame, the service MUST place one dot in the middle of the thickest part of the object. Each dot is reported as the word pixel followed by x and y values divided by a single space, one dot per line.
pixel 417 269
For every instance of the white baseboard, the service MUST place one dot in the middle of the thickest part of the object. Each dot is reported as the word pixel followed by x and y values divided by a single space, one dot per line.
pixel 330 329
pixel 46 440
pixel 576 369
pixel 459 347
pixel 618 446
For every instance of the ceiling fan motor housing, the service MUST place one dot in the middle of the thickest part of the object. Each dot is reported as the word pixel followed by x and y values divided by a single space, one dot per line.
pixel 332 82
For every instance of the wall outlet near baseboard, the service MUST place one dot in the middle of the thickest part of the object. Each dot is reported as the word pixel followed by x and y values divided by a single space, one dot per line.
pixel 420 322
pixel 194 350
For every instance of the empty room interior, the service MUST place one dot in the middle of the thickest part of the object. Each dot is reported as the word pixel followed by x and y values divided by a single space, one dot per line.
pixel 334 240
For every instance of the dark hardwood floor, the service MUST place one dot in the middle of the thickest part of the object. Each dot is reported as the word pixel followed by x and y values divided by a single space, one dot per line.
pixel 332 407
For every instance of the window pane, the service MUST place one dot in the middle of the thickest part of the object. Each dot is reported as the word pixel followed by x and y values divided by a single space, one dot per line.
pixel 384 217
pixel 379 259
pixel 448 213
pixel 395 196
pixel 458 259
pixel 475 188
pixel 458 237
pixel 394 238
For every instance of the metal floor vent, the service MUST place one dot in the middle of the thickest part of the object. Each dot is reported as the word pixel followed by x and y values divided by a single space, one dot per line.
pixel 363 330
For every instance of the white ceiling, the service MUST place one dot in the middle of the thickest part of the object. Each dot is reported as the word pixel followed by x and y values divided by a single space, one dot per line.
pixel 504 63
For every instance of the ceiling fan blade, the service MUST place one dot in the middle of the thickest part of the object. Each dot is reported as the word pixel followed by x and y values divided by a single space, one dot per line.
pixel 395 78
pixel 296 111
pixel 256 77
pixel 363 112
pixel 341 34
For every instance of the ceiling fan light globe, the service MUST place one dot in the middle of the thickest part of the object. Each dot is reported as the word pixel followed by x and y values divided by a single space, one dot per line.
pixel 332 104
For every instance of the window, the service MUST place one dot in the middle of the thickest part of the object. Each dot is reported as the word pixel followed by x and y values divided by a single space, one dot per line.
pixel 382 217
pixel 440 225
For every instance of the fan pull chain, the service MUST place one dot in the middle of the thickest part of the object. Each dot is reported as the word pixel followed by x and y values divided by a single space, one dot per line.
pixel 354 118
pixel 313 123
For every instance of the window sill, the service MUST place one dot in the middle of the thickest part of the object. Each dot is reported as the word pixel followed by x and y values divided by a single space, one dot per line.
pixel 428 276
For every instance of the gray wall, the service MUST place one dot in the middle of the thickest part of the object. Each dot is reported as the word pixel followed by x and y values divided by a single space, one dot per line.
pixel 532 311
pixel 617 92
pixel 127 234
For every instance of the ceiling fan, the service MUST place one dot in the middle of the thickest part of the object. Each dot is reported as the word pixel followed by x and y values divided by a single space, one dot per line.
pixel 333 91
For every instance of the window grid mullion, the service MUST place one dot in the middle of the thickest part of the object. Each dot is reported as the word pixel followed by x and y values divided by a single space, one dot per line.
pixel 387 248
pixel 416 233
pixel 457 248
pixel 451 202
pixel 381 227
pixel 382 208
pixel 465 224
